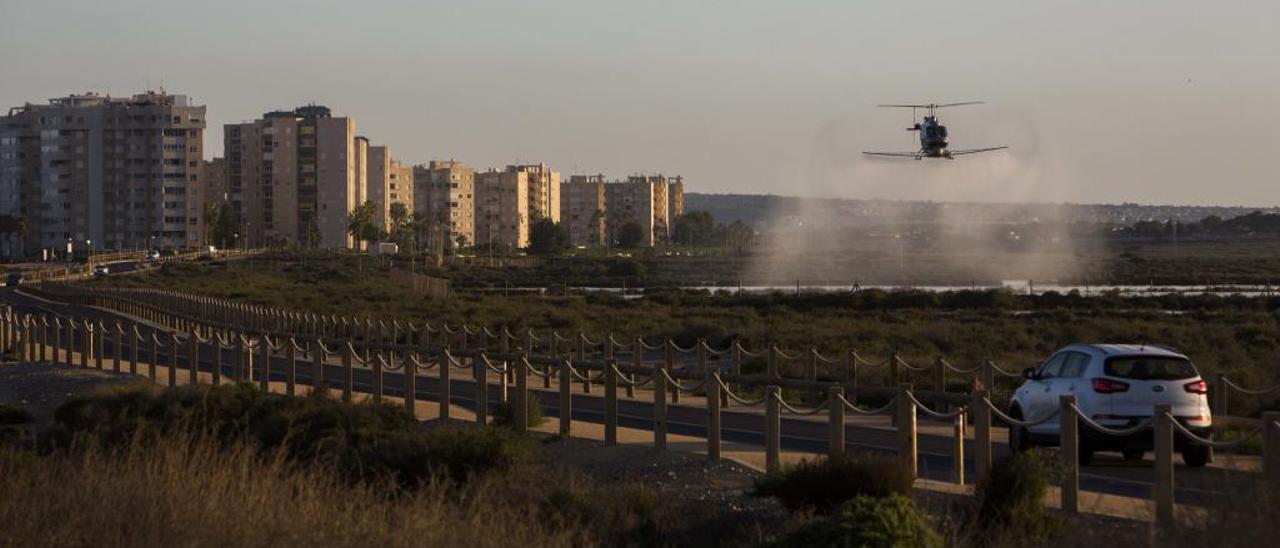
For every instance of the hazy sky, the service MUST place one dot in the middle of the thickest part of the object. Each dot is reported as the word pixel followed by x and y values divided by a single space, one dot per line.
pixel 1156 102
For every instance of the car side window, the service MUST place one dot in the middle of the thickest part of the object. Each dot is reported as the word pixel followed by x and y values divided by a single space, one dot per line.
pixel 1053 367
pixel 1075 364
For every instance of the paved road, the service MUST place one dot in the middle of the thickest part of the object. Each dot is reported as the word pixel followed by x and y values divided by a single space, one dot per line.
pixel 1109 474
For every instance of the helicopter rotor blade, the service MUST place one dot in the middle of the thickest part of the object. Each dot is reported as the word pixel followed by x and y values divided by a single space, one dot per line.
pixel 959 104
pixel 932 105
pixel 976 150
pixel 894 154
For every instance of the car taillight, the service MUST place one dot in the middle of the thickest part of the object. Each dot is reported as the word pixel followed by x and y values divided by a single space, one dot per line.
pixel 1198 387
pixel 1108 386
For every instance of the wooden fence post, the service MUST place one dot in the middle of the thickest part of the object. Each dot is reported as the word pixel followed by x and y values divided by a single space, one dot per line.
pixel 378 362
pixel 835 414
pixel 99 345
pixel 659 408
pixel 87 334
pixel 348 371
pixel 318 355
pixel 133 348
pixel 713 415
pixel 610 403
pixel 173 359
pixel 445 389
pixel 1163 490
pixel 957 450
pixel 981 436
pixel 264 368
pixel 521 403
pixel 155 356
pixel 566 397
pixel 193 350
pixel 1070 440
pixel 239 357
pixel 411 385
pixel 291 374
pixel 481 377
pixel 772 430
pixel 907 453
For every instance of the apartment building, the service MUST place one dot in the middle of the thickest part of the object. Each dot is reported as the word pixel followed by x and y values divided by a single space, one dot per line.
pixel 400 187
pixel 378 186
pixel 444 193
pixel 502 209
pixel 662 203
pixel 291 177
pixel 215 181
pixel 675 200
pixel 104 172
pixel 631 201
pixel 582 210
pixel 506 201
pixel 544 190
pixel 360 152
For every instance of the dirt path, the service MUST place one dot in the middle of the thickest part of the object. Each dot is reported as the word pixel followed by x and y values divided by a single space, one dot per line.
pixel 40 388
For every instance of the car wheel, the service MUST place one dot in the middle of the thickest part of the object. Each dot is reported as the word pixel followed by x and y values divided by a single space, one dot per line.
pixel 1195 456
pixel 1133 454
pixel 1018 439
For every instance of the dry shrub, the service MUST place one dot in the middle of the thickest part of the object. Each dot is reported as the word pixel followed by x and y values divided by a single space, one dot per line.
pixel 871 522
pixel 822 485
pixel 187 490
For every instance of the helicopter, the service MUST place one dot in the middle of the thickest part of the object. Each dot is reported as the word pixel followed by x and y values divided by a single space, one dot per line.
pixel 933 135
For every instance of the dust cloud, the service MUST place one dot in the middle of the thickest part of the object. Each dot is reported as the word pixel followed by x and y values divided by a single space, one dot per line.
pixel 974 221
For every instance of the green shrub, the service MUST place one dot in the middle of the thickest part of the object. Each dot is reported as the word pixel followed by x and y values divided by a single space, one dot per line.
pixel 823 484
pixel 504 413
pixel 11 414
pixel 870 522
pixel 363 441
pixel 1011 500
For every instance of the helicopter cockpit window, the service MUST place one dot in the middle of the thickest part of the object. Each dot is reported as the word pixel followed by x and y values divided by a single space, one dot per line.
pixel 942 131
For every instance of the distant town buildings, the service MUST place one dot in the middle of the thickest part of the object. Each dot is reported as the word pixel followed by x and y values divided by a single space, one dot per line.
pixel 101 172
pixel 130 173
pixel 291 177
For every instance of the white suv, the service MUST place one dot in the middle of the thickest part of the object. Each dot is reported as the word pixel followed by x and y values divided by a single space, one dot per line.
pixel 1117 386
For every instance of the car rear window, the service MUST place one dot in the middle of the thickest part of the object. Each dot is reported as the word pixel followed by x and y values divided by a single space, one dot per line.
pixel 1150 368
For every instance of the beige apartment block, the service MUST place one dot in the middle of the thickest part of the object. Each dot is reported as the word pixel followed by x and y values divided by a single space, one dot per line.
pixel 360 152
pixel 675 199
pixel 378 185
pixel 291 177
pixel 444 194
pixel 215 181
pixel 664 209
pixel 631 201
pixel 544 190
pixel 387 182
pixel 502 209
pixel 582 210
pixel 102 172
pixel 400 187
